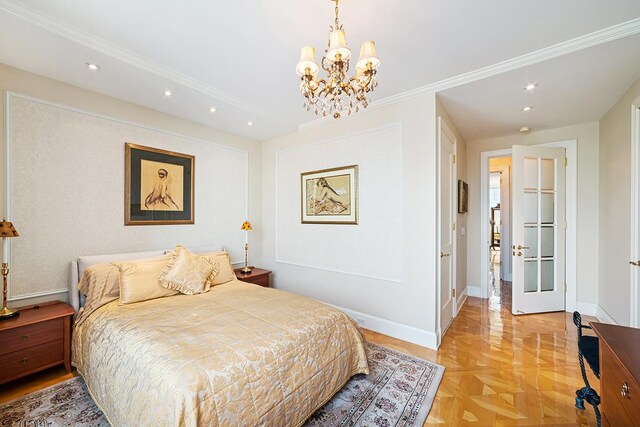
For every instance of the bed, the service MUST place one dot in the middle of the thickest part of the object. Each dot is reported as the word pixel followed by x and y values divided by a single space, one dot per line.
pixel 237 355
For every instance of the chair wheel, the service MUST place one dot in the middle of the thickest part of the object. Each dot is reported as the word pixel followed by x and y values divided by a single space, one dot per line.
pixel 579 403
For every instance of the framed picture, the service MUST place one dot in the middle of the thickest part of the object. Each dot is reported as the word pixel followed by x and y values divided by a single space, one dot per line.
pixel 463 196
pixel 158 186
pixel 330 196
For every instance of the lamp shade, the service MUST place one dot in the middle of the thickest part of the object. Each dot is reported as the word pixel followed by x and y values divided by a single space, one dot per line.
pixel 246 226
pixel 338 45
pixel 307 60
pixel 368 55
pixel 7 229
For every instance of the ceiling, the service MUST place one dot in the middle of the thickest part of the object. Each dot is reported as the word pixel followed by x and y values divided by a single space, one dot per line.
pixel 240 56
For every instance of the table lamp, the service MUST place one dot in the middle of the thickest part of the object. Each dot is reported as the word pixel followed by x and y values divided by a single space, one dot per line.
pixel 246 226
pixel 6 230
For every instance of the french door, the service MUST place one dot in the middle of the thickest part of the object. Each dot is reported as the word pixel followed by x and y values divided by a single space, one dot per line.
pixel 538 248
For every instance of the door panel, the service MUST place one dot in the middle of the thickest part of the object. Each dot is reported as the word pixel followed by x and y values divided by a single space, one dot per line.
pixel 448 212
pixel 538 249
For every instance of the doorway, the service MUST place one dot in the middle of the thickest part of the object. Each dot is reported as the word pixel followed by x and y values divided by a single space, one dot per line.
pixel 500 233
pixel 564 278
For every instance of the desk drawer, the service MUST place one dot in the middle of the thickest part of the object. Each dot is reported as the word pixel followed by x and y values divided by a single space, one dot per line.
pixel 31 335
pixel 620 410
pixel 32 359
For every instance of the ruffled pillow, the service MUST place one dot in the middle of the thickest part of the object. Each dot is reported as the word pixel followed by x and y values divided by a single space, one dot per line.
pixel 188 273
pixel 226 273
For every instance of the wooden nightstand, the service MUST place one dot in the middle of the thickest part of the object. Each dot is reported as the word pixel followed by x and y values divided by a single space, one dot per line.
pixel 40 337
pixel 257 276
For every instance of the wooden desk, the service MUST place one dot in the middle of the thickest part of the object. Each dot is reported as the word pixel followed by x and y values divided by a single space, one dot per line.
pixel 619 374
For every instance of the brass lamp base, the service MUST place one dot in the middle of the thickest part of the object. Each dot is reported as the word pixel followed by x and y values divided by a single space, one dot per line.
pixel 246 270
pixel 8 313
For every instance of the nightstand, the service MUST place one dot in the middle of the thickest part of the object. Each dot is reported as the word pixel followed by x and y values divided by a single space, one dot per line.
pixel 257 276
pixel 40 337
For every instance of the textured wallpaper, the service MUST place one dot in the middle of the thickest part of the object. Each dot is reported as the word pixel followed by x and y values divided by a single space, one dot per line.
pixel 372 248
pixel 67 193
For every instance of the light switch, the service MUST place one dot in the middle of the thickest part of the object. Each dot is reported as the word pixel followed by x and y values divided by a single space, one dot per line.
pixel 462 230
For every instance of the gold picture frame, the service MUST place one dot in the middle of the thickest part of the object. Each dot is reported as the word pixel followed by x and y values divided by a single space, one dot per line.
pixel 330 196
pixel 159 186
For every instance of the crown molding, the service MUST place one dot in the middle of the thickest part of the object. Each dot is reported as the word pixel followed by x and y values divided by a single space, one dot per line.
pixel 586 41
pixel 87 40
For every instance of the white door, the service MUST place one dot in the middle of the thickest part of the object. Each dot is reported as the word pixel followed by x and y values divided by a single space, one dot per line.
pixel 448 211
pixel 538 215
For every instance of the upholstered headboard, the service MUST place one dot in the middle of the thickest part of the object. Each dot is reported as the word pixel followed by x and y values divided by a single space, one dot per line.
pixel 79 265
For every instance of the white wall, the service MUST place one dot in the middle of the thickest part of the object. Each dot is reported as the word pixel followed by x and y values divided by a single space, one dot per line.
pixel 407 305
pixel 67 181
pixel 587 136
pixel 461 221
pixel 615 207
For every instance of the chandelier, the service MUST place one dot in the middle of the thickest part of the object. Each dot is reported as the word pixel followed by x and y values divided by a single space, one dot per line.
pixel 337 95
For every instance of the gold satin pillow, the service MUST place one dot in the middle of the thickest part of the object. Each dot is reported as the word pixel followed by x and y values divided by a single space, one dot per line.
pixel 188 273
pixel 226 273
pixel 139 279
pixel 100 283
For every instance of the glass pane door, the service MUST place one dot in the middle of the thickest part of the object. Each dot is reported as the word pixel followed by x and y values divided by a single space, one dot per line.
pixel 538 221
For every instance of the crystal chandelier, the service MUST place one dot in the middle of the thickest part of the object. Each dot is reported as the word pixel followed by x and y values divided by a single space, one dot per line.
pixel 337 95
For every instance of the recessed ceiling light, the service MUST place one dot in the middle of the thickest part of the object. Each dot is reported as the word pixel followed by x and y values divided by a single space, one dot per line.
pixel 249 123
pixel 167 93
pixel 92 66
pixel 525 129
pixel 212 109
pixel 531 86
pixel 527 108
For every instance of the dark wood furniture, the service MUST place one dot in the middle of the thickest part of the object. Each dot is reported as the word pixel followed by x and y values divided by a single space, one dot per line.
pixel 619 374
pixel 40 337
pixel 257 276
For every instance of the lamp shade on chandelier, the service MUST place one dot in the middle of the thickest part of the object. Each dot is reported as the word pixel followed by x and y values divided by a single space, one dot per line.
pixel 337 95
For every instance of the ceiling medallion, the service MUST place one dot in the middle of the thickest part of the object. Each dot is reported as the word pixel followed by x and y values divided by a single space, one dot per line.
pixel 337 95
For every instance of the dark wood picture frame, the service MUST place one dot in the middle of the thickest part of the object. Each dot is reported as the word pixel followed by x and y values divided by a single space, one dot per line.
pixel 138 209
pixel 463 196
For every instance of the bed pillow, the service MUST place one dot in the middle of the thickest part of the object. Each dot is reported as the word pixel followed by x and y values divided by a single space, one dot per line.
pixel 139 279
pixel 188 273
pixel 225 274
pixel 100 283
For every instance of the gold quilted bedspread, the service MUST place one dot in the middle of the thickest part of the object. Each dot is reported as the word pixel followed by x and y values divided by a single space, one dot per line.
pixel 238 355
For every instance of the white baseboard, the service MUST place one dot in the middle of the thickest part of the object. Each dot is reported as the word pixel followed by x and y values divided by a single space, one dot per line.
pixel 474 291
pixel 604 317
pixel 586 308
pixel 462 298
pixel 590 309
pixel 393 329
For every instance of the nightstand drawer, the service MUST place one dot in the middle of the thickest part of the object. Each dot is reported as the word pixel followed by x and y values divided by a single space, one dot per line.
pixel 261 280
pixel 31 335
pixel 32 359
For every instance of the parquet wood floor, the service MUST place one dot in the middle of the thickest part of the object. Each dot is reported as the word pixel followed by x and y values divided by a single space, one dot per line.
pixel 501 370
pixel 505 370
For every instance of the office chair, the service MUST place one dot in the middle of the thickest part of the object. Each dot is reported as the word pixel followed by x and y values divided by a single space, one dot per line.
pixel 588 348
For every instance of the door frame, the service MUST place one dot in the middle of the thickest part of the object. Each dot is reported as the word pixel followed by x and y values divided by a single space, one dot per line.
pixel 634 275
pixel 505 217
pixel 571 267
pixel 442 127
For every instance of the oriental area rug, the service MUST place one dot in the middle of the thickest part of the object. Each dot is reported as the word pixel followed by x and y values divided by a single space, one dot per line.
pixel 398 392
